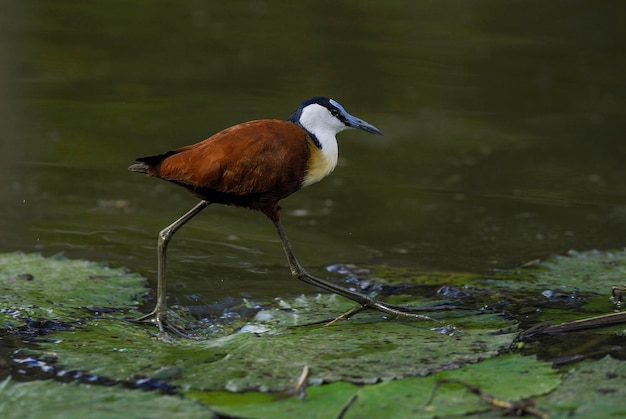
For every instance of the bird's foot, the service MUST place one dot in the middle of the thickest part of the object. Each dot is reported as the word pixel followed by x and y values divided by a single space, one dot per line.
pixel 365 301
pixel 398 310
pixel 392 309
pixel 159 319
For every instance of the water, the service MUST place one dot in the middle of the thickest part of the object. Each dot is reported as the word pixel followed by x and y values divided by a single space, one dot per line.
pixel 503 121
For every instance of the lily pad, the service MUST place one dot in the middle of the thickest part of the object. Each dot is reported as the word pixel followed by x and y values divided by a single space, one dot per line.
pixel 507 378
pixel 592 389
pixel 36 288
pixel 269 358
pixel 591 271
pixel 574 287
pixel 49 399
pixel 368 364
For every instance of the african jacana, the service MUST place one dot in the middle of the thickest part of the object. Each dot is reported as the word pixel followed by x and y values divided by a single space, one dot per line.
pixel 254 165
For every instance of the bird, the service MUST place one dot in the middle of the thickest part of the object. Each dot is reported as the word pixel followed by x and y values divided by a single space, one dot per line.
pixel 254 165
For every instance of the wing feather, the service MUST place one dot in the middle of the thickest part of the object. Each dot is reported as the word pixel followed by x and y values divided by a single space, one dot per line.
pixel 256 157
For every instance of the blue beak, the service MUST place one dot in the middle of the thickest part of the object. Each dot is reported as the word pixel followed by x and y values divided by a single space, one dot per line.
pixel 361 124
pixel 354 122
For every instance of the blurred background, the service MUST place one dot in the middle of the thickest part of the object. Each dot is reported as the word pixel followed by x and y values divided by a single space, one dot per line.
pixel 504 127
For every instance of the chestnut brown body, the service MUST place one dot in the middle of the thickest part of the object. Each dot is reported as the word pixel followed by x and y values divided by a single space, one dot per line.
pixel 252 165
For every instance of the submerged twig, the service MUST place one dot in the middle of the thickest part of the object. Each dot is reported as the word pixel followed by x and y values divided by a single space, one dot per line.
pixel 617 294
pixel 604 320
pixel 302 383
pixel 346 315
pixel 299 387
pixel 524 406
pixel 348 405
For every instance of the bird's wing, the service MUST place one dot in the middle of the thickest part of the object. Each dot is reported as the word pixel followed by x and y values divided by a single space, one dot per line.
pixel 249 158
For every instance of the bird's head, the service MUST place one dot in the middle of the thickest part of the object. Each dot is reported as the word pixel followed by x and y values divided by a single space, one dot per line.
pixel 322 116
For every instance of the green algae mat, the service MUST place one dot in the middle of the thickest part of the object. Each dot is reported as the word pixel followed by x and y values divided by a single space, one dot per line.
pixel 72 350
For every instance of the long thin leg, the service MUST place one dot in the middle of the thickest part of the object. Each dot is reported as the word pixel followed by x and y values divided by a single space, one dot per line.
pixel 158 315
pixel 299 272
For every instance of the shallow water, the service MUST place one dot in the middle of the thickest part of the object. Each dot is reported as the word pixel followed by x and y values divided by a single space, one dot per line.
pixel 503 121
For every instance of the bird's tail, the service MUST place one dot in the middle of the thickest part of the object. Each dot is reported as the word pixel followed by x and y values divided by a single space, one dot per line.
pixel 139 168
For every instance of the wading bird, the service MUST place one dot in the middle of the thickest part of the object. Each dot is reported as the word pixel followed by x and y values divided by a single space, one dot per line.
pixel 254 165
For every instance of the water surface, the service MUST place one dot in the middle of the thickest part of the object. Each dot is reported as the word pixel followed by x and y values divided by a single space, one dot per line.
pixel 504 132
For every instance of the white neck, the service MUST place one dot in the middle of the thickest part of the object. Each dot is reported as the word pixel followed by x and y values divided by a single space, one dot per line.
pixel 318 121
pixel 328 141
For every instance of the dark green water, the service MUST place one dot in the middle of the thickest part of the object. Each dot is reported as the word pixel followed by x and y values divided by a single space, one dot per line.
pixel 504 123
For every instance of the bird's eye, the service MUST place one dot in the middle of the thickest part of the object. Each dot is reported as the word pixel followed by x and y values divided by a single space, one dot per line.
pixel 335 112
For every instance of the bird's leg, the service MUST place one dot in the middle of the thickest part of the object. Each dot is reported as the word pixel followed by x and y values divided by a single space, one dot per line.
pixel 366 302
pixel 158 315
